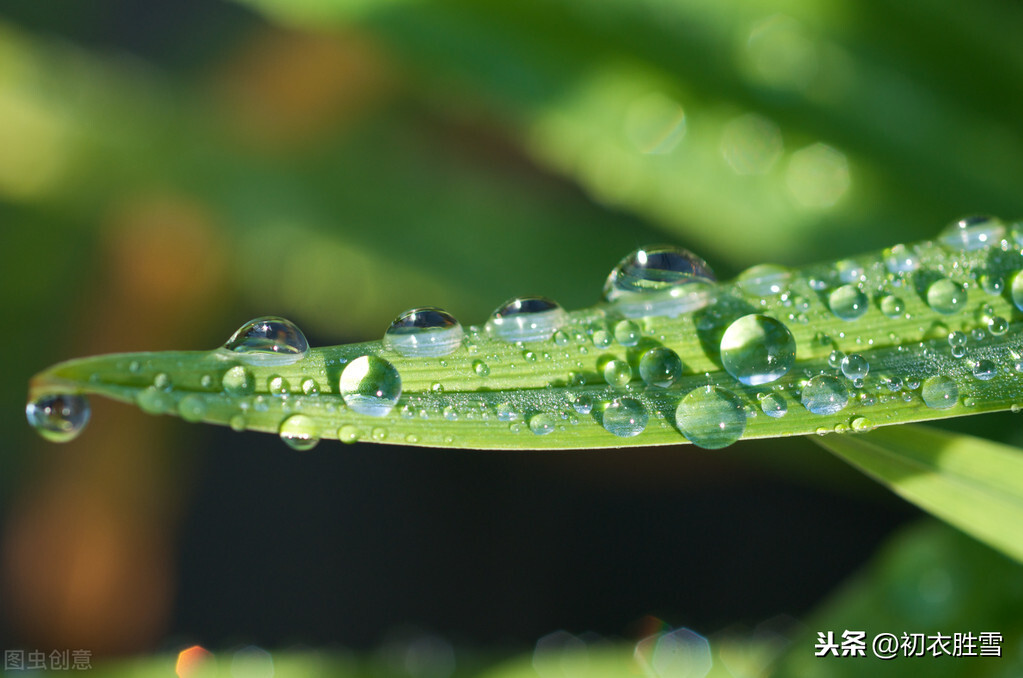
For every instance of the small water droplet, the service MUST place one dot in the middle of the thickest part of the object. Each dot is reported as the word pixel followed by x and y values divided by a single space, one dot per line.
pixel 939 392
pixel 480 368
pixel 451 413
pixel 711 417
pixel 849 271
pixel 135 367
pixel 526 319
pixel 892 306
pixel 238 381
pixel 59 417
pixel 764 280
pixel 379 433
pixel 855 367
pixel 617 373
pixel 861 424
pixel 627 333
pixel 507 412
pixel 162 381
pixel 985 369
pixel 237 423
pixel 835 359
pixel 152 400
pixel 898 259
pixel 309 387
pixel 268 341
pixel 206 381
pixel 543 423
pixel 424 332
pixel 560 338
pixel 192 407
pixel 773 405
pixel 348 433
pixel 824 394
pixel 973 232
pixel 583 404
pixel 601 338
pixel 660 367
pixel 757 349
pixel 992 284
pixel 299 432
pixel 957 338
pixel 997 325
pixel 625 417
pixel 848 302
pixel 370 385
pixel 278 385
pixel 659 280
pixel 946 297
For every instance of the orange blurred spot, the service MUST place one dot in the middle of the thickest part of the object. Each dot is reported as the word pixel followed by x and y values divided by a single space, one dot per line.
pixel 192 661
pixel 286 88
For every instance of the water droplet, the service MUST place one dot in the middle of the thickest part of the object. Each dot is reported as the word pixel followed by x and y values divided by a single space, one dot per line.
pixel 855 366
pixel 424 332
pixel 946 297
pixel 973 232
pixel 997 325
pixel 849 271
pixel 773 405
pixel 985 369
pixel 711 417
pixel 957 338
pixel 764 280
pixel 617 373
pixel 348 433
pixel 277 385
pixel 892 306
pixel 625 417
pixel 848 302
pixel 660 367
pixel 237 423
pixel 835 359
pixel 958 351
pixel 238 381
pixel 379 433
pixel 309 387
pixel 825 394
pixel 480 368
pixel 192 407
pixel 451 413
pixel 583 404
pixel 134 367
pixel 898 259
pixel 162 381
pixel 526 319
pixel 370 385
pixel 59 417
pixel 861 424
pixel 268 341
pixel 1017 290
pixel 939 392
pixel 992 284
pixel 627 333
pixel 757 349
pixel 299 432
pixel 560 338
pixel 152 400
pixel 543 423
pixel 659 280
pixel 507 412
pixel 601 338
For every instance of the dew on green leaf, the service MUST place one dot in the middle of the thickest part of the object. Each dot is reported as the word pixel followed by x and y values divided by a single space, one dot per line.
pixel 757 349
pixel 617 373
pixel 711 417
pixel 946 297
pixel 238 381
pixel 659 280
pixel 543 423
pixel 424 332
pixel 855 366
pixel 192 407
pixel 268 341
pixel 824 394
pixel 892 306
pixel 526 319
pixel 299 432
pixel 764 280
pixel 625 417
pixel 939 392
pixel 627 333
pixel 848 302
pixel 985 369
pixel 660 367
pixel 370 385
pixel 58 417
pixel 773 405
pixel 973 232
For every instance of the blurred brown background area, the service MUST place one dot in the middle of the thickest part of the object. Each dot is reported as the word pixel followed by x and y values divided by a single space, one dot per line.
pixel 170 169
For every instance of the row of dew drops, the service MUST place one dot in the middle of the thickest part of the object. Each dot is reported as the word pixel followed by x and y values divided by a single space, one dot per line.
pixel 756 349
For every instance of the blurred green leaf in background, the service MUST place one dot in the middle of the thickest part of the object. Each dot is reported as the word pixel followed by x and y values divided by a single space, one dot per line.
pixel 169 170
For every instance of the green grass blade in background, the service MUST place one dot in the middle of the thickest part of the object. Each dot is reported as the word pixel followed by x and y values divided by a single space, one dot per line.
pixel 972 483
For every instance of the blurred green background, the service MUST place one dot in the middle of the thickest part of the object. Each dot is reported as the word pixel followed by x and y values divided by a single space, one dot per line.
pixel 169 170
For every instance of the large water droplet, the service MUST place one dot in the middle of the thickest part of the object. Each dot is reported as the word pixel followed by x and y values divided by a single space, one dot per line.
pixel 764 280
pixel 848 302
pixel 773 405
pixel 757 349
pixel 946 297
pixel 939 392
pixel 426 332
pixel 625 417
pixel 973 233
pixel 660 366
pixel 370 385
pixel 659 280
pixel 59 417
pixel 1017 290
pixel 299 432
pixel 855 366
pixel 526 319
pixel 825 394
pixel 627 333
pixel 268 341
pixel 711 417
